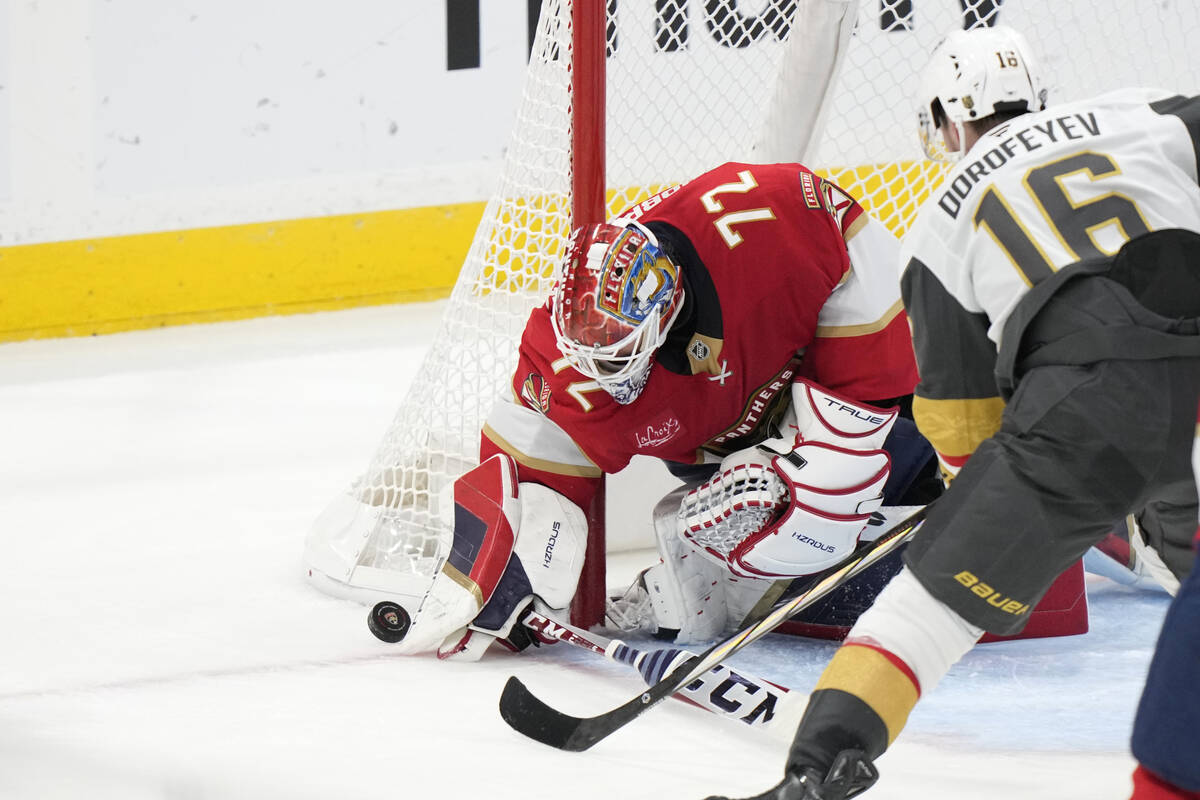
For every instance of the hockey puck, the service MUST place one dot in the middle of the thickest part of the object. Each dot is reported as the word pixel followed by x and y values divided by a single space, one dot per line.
pixel 389 621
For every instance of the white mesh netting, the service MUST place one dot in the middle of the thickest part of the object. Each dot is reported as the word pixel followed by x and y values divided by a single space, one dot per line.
pixel 691 85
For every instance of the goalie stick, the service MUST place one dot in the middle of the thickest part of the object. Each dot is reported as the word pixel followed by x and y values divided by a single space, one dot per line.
pixel 528 715
pixel 723 691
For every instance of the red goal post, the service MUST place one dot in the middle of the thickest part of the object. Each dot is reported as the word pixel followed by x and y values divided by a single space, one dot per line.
pixel 626 97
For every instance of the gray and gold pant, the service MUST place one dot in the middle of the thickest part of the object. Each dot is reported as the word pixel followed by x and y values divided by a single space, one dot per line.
pixel 1099 425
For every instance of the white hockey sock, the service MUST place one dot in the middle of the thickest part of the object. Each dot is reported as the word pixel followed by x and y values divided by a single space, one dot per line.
pixel 909 622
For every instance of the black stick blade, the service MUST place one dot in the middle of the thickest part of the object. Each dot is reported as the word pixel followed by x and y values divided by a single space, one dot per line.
pixel 528 715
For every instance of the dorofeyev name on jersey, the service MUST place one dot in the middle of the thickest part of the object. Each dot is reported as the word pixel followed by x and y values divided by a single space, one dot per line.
pixel 1024 140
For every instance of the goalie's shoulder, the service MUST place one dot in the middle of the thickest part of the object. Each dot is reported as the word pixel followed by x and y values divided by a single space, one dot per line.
pixel 537 340
pixel 543 375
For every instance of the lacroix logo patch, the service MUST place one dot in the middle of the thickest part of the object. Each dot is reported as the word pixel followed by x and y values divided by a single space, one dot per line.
pixel 658 434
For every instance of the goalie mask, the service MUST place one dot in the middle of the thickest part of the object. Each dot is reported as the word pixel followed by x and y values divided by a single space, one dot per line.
pixel 972 75
pixel 614 303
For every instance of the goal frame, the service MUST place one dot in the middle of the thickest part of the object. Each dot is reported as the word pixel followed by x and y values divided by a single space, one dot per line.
pixel 588 183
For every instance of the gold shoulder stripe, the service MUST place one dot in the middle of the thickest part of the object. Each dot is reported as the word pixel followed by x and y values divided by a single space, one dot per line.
pixel 957 427
pixel 845 275
pixel 856 226
pixel 867 674
pixel 845 331
pixel 541 464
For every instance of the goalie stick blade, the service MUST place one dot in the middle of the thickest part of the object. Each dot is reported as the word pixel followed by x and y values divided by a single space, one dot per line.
pixel 528 715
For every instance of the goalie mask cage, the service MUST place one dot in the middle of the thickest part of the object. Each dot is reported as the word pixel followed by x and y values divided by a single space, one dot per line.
pixel 624 98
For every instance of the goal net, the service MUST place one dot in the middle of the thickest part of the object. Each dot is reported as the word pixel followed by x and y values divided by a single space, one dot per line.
pixel 688 84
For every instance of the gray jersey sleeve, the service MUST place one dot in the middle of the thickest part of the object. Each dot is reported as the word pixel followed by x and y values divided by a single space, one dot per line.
pixel 1187 109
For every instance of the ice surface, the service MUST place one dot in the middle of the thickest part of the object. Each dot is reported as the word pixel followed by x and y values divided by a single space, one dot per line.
pixel 161 642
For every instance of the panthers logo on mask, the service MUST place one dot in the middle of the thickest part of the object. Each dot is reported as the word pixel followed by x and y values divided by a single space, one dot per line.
pixel 634 278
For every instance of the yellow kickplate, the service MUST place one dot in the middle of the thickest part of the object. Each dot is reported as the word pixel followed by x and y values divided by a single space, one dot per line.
pixel 105 285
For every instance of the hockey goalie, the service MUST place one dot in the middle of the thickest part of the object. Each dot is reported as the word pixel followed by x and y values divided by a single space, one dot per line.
pixel 744 327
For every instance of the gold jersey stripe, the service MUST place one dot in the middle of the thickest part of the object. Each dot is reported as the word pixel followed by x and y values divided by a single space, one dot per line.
pixel 844 331
pixel 957 427
pixel 854 227
pixel 554 467
pixel 845 277
pixel 867 674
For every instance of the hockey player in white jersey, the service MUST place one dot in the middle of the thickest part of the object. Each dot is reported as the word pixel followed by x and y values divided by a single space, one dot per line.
pixel 1053 286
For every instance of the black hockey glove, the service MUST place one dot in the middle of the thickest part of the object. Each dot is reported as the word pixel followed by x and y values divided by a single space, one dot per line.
pixel 520 637
pixel 852 774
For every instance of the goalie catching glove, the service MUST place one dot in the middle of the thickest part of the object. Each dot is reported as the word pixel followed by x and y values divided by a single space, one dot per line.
pixel 785 509
pixel 512 541
pixel 797 504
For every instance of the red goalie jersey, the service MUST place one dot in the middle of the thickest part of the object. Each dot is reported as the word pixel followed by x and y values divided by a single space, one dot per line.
pixel 784 275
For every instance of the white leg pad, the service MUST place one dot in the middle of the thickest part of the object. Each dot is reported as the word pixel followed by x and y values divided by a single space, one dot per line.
pixel 742 595
pixel 551 543
pixel 686 591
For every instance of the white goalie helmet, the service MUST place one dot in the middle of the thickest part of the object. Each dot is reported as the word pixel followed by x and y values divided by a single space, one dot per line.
pixel 613 304
pixel 971 75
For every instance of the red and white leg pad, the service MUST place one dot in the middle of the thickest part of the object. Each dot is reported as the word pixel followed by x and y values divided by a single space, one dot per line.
pixel 511 541
pixel 685 595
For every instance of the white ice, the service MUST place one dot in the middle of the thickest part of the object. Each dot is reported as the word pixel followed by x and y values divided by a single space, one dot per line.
pixel 159 640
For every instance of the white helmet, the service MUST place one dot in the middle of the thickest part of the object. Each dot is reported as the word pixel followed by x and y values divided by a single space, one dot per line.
pixel 971 75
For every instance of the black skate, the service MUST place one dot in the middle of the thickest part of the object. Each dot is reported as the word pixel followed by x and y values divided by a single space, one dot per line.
pixel 852 774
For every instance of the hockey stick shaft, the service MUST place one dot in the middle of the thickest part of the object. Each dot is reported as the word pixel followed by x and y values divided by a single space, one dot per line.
pixel 528 715
pixel 729 693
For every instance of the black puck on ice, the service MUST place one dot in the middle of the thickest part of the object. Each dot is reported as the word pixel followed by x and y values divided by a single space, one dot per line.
pixel 389 621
